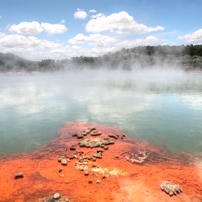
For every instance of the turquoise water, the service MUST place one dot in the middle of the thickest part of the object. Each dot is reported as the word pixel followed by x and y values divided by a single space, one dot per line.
pixel 163 107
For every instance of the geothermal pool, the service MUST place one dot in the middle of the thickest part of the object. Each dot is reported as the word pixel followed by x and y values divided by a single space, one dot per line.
pixel 160 107
pixel 151 118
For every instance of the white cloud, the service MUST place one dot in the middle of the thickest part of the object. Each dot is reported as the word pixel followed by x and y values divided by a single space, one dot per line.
pixel 150 40
pixel 97 44
pixel 93 11
pixel 2 34
pixel 33 28
pixel 14 40
pixel 103 40
pixel 63 21
pixel 80 14
pixel 196 36
pixel 96 40
pixel 54 28
pixel 30 28
pixel 33 48
pixel 79 39
pixel 120 22
pixel 97 15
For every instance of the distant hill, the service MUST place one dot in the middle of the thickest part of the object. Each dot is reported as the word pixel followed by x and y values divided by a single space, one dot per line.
pixel 188 57
pixel 10 56
pixel 11 62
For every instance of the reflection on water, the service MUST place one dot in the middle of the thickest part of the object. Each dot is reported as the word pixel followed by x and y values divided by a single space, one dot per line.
pixel 162 107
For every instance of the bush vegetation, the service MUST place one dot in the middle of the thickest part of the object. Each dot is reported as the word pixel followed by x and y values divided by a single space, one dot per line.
pixel 188 57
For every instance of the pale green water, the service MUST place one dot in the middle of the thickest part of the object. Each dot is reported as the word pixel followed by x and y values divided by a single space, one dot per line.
pixel 162 107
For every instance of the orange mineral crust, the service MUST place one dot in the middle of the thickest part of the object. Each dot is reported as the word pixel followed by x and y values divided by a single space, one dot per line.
pixel 89 162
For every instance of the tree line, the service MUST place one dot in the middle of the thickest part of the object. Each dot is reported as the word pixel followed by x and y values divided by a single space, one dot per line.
pixel 188 57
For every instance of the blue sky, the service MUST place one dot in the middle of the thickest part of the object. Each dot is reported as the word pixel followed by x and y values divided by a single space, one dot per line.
pixel 59 29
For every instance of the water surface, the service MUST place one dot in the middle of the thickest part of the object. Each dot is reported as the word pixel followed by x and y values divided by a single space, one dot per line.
pixel 163 107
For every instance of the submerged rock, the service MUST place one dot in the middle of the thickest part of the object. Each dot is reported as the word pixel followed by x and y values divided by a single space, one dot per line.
pixel 171 189
pixel 140 157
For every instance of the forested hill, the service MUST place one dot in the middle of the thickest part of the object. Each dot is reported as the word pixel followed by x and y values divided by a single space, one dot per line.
pixel 188 57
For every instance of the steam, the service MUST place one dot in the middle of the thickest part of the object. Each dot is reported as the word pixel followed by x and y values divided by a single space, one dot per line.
pixel 36 105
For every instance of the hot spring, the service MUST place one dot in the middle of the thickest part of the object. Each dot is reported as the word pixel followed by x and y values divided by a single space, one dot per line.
pixel 163 107
pixel 148 120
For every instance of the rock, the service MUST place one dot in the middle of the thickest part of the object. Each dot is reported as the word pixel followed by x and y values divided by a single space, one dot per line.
pixel 99 155
pixel 90 181
pixel 105 147
pixel 115 136
pixel 64 161
pixel 95 142
pixel 78 135
pixel 80 152
pixel 60 158
pixel 123 136
pixel 171 189
pixel 73 147
pixel 19 175
pixel 83 133
pixel 56 195
pixel 59 170
pixel 116 156
pixel 98 181
pixel 81 159
pixel 86 173
pixel 96 133
pixel 48 200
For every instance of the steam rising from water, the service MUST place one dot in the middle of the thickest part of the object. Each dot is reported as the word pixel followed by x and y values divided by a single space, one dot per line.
pixel 146 103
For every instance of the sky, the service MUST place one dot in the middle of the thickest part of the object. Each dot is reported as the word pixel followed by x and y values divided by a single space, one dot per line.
pixel 62 29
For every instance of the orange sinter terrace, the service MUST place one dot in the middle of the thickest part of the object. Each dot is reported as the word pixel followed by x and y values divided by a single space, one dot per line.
pixel 89 162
